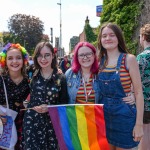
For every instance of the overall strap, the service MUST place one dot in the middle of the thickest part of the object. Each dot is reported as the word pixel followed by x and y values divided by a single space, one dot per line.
pixel 102 62
pixel 119 61
pixel 6 97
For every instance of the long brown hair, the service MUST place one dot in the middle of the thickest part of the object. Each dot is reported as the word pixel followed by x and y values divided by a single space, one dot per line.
pixel 38 48
pixel 23 69
pixel 121 42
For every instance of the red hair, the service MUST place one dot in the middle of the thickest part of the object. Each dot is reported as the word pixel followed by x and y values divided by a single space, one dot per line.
pixel 76 66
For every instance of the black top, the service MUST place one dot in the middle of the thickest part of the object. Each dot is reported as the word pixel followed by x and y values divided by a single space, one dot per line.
pixel 48 91
pixel 38 131
pixel 16 93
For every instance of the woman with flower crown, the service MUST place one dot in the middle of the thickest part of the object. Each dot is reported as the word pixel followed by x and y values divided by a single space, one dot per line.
pixel 13 63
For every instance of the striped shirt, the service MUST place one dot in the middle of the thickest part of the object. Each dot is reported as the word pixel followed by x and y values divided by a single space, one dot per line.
pixel 81 95
pixel 124 74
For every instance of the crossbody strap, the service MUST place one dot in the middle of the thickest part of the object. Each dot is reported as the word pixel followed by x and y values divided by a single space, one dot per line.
pixel 6 97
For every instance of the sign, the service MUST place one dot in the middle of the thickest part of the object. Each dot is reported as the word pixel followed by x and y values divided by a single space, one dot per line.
pixel 99 10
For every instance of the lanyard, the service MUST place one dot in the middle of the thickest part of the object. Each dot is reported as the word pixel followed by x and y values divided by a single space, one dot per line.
pixel 85 91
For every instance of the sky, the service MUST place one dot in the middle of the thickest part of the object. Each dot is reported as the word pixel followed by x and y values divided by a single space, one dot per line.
pixel 73 15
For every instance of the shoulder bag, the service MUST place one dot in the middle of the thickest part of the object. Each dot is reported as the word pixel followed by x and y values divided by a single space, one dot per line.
pixel 8 136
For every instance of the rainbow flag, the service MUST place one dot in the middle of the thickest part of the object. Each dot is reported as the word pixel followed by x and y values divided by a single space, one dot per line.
pixel 79 126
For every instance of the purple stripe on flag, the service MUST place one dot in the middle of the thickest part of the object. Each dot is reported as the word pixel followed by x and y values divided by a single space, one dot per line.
pixel 57 127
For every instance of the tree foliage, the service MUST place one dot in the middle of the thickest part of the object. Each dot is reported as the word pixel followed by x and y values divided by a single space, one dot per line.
pixel 90 35
pixel 26 29
pixel 125 13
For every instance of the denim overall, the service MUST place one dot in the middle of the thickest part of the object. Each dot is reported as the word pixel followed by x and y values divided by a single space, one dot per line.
pixel 119 117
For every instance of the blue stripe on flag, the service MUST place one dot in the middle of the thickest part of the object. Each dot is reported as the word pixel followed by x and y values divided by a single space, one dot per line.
pixel 65 127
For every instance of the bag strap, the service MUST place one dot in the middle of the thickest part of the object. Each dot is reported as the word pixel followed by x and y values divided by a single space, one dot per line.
pixel 6 97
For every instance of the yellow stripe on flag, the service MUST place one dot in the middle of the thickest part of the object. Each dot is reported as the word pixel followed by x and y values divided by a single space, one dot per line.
pixel 82 127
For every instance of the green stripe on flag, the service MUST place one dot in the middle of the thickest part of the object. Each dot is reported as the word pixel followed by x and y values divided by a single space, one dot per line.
pixel 73 127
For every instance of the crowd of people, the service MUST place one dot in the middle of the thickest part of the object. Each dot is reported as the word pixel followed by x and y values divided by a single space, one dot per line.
pixel 106 79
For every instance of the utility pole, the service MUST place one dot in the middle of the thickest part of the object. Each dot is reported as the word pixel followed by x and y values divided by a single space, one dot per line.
pixel 60 38
pixel 51 34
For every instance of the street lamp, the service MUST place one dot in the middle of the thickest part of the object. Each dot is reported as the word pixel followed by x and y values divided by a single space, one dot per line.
pixel 60 38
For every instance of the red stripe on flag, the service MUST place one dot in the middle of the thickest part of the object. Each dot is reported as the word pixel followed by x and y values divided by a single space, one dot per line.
pixel 101 129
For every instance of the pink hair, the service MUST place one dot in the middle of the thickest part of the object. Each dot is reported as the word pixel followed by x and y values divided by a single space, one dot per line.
pixel 76 66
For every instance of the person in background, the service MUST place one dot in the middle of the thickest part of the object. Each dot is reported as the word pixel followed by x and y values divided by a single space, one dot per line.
pixel 58 60
pixel 65 64
pixel 82 77
pixel 47 88
pixel 30 71
pixel 30 60
pixel 13 62
pixel 144 66
pixel 118 70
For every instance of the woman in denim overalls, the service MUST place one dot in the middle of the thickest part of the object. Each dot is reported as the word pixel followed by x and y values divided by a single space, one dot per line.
pixel 123 121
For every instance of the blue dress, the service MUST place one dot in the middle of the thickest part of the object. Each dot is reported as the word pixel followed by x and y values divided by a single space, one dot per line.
pixel 120 117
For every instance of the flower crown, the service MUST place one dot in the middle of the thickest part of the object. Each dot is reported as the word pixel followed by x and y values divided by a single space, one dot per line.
pixel 3 54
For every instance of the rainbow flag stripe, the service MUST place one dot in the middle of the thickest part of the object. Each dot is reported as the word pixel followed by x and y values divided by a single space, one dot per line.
pixel 79 127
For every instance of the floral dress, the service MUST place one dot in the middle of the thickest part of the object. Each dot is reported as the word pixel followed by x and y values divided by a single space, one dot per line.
pixel 38 130
pixel 16 95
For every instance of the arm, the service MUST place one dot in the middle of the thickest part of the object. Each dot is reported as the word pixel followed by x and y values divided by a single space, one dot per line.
pixel 63 94
pixel 137 85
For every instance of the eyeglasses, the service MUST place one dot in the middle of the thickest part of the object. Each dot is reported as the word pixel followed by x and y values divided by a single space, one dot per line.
pixel 88 55
pixel 46 56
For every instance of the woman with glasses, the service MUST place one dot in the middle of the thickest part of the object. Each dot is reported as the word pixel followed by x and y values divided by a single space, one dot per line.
pixel 47 88
pixel 82 79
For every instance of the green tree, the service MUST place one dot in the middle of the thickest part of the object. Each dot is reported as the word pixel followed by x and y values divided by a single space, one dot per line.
pixel 90 35
pixel 26 29
pixel 125 13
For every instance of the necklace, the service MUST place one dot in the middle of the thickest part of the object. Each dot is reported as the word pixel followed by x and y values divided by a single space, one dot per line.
pixel 48 77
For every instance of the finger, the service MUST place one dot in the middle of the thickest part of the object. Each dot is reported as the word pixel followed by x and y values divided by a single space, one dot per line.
pixel 129 94
pixel 137 139
pixel 36 109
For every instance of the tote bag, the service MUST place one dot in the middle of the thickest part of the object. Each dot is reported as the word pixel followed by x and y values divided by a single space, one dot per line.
pixel 8 137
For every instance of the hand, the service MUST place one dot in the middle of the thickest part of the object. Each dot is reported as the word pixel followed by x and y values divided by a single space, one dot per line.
pixel 41 109
pixel 4 120
pixel 138 132
pixel 130 99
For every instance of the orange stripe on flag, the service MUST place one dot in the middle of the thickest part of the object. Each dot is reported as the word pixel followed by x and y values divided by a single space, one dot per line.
pixel 92 129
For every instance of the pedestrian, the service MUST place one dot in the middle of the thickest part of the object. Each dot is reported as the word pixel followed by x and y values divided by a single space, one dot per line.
pixel 144 66
pixel 65 64
pixel 30 60
pixel 13 62
pixel 82 77
pixel 47 88
pixel 30 71
pixel 118 69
